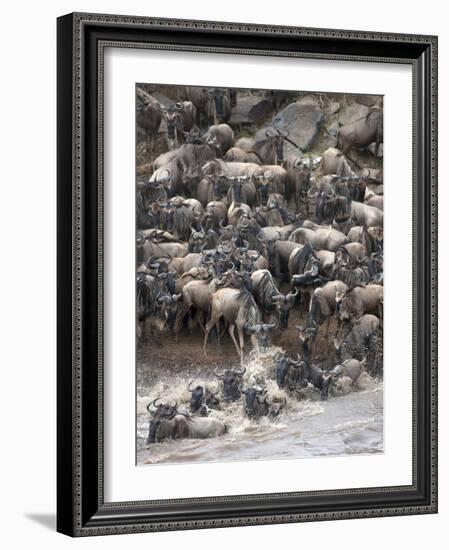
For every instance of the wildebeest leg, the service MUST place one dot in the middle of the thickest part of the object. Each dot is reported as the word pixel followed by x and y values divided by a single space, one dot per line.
pixel 199 319
pixel 242 341
pixel 213 321
pixel 231 331
pixel 148 146
pixel 180 318
pixel 327 326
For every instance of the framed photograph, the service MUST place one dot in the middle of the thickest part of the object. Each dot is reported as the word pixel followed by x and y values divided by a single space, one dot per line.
pixel 247 276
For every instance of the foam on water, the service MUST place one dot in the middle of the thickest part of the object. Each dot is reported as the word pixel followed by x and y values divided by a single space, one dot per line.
pixel 351 420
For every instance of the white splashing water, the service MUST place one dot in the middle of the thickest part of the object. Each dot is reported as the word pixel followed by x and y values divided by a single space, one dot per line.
pixel 350 423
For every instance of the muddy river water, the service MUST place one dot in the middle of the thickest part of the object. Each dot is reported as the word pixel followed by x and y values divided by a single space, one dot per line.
pixel 350 422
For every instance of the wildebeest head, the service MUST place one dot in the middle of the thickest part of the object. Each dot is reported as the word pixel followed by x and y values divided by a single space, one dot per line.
pixel 217 95
pixel 263 333
pixel 197 397
pixel 307 335
pixel 172 116
pixel 327 381
pixel 159 413
pixel 346 308
pixel 219 186
pixel 264 186
pixel 231 379
pixel 236 186
pixel 283 306
pixel 255 401
pixel 324 206
pixel 284 366
pixel 167 216
pixel 197 239
pixel 168 305
pixel 193 136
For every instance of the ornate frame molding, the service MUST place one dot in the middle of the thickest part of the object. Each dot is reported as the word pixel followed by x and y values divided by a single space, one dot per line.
pixel 82 512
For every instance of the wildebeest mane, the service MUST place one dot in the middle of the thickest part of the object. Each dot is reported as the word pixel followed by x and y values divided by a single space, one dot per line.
pixel 146 296
pixel 300 262
pixel 248 314
pixel 265 291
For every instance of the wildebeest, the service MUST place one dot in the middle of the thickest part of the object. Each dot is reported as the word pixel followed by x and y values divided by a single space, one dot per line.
pixel 362 132
pixel 288 374
pixel 327 238
pixel 333 161
pixel 270 148
pixel 367 215
pixel 202 398
pixel 238 309
pixel 179 117
pixel 195 294
pixel 255 402
pixel 219 105
pixel 325 302
pixel 359 337
pixel 360 300
pixel 183 427
pixel 262 332
pixel 363 235
pixel 351 368
pixel 231 379
pixel 264 289
pixel 307 335
pixel 220 137
pixel 148 118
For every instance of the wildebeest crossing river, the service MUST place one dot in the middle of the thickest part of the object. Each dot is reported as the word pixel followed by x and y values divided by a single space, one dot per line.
pixel 259 274
pixel 349 423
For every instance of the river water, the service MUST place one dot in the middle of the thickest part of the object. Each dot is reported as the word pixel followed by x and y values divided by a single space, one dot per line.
pixel 348 423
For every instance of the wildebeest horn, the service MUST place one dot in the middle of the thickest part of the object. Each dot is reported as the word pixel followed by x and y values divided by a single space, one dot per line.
pixel 360 260
pixel 175 406
pixel 298 360
pixel 221 224
pixel 309 193
pixel 151 411
pixel 188 387
pixel 278 355
pixel 155 401
pixel 239 372
pixel 217 374
pixel 277 297
pixel 255 256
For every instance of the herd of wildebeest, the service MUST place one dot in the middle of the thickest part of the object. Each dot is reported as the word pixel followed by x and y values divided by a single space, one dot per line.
pixel 232 235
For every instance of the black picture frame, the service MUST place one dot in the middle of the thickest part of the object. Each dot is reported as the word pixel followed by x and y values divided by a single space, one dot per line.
pixel 81 510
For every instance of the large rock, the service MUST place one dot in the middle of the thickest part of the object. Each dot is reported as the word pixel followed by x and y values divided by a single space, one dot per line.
pixel 352 112
pixel 250 110
pixel 302 120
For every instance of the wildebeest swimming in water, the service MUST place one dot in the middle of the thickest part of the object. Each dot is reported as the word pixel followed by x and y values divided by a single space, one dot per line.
pixel 202 399
pixel 231 383
pixel 167 423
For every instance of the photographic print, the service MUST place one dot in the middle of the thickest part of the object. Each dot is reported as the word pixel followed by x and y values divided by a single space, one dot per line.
pixel 259 284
